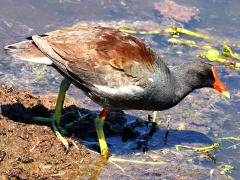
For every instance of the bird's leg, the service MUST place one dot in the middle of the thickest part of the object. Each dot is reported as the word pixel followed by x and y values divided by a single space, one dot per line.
pixel 154 126
pixel 99 122
pixel 58 112
pixel 152 120
pixel 168 130
pixel 154 116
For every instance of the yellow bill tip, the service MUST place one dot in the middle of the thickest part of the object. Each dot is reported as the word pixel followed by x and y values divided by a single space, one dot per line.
pixel 226 93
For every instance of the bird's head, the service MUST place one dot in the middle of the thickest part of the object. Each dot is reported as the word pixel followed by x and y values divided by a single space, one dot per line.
pixel 201 74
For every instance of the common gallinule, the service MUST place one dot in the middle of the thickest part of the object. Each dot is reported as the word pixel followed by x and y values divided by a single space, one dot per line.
pixel 116 70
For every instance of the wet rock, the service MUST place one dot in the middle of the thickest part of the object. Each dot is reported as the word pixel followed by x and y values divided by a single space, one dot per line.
pixel 171 9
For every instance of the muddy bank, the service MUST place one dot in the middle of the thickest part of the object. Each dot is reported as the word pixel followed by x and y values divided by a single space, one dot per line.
pixel 32 151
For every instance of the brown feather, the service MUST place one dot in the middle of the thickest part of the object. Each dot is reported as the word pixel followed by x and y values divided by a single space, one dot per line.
pixel 103 53
pixel 100 55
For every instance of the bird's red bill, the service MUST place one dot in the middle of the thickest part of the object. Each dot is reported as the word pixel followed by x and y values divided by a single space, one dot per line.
pixel 218 85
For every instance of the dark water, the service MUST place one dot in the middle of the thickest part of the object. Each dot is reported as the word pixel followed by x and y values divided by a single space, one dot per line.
pixel 207 115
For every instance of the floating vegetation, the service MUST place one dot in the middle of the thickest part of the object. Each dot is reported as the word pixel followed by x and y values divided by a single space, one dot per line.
pixel 171 9
pixel 226 169
pixel 131 31
pixel 198 149
pixel 173 31
pixel 202 150
pixel 228 52
pixel 113 159
pixel 214 55
pixel 226 56
pixel 182 42
pixel 230 138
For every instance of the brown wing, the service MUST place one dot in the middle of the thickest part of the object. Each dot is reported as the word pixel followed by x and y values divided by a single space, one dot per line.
pixel 103 56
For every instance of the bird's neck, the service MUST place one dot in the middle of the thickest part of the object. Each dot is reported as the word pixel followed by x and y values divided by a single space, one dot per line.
pixel 170 88
pixel 172 85
pixel 184 82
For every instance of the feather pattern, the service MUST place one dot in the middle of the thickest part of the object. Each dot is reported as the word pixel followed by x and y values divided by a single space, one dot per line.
pixel 116 70
pixel 106 57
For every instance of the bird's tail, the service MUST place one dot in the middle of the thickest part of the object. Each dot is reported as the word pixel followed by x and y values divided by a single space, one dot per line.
pixel 27 51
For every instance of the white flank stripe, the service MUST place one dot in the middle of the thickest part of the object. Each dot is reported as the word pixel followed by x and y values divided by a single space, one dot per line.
pixel 42 60
pixel 126 90
pixel 150 79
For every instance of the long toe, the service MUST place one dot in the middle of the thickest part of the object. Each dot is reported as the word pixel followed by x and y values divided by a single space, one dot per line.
pixel 42 121
pixel 63 140
pixel 57 130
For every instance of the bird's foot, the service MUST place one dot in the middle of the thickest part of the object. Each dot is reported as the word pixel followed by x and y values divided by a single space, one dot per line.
pixel 58 131
pixel 105 153
pixel 104 148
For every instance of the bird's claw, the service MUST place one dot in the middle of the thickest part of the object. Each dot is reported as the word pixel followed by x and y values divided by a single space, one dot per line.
pixel 63 140
pixel 105 153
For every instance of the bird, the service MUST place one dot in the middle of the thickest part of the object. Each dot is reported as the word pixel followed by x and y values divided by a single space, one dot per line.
pixel 114 69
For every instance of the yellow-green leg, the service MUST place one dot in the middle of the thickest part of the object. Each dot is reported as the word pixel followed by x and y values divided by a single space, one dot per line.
pixel 154 127
pixel 99 122
pixel 58 112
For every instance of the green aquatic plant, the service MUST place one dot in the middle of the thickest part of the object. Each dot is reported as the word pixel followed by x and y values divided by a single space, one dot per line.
pixel 113 159
pixel 173 31
pixel 230 138
pixel 198 149
pixel 181 31
pixel 190 43
pixel 132 31
pixel 213 55
pixel 210 53
pixel 228 52
pixel 226 169
pixel 202 150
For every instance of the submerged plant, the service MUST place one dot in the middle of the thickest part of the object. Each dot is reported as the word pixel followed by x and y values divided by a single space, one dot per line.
pixel 226 169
